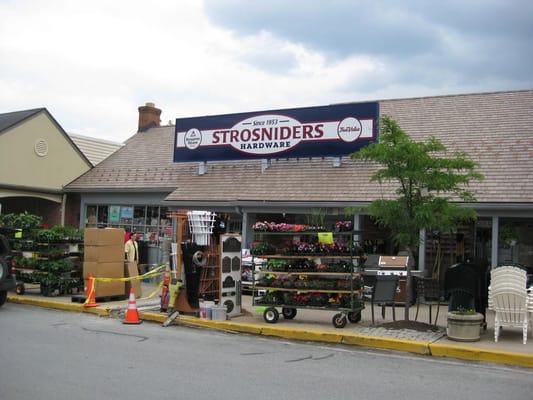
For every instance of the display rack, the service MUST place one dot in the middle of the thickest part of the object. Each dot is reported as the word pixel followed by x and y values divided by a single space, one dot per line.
pixel 292 279
pixel 53 265
pixel 210 277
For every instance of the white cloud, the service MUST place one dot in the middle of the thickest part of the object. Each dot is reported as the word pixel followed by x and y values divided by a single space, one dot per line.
pixel 93 63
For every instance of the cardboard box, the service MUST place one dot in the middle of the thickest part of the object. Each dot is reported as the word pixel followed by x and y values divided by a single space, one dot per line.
pixel 103 237
pixel 103 289
pixel 104 254
pixel 110 237
pixel 103 270
pixel 89 268
pixel 106 270
pixel 90 236
pixel 131 269
pixel 90 253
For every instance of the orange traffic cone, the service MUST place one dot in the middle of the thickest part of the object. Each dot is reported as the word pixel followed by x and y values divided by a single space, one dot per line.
pixel 132 314
pixel 90 298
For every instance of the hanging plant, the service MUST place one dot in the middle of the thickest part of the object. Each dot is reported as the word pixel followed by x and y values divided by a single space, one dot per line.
pixel 508 235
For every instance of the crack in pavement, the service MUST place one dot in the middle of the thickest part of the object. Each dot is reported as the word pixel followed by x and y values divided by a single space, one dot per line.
pixel 142 338
pixel 252 354
pixel 312 358
pixel 300 359
pixel 323 358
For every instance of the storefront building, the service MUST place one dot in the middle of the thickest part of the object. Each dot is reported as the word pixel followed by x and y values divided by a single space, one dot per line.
pixel 152 174
pixel 37 158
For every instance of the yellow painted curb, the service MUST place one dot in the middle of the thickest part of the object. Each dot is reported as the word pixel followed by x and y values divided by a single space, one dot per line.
pixel 56 305
pixel 300 334
pixel 152 316
pixel 223 325
pixel 477 354
pixel 411 346
pixel 191 321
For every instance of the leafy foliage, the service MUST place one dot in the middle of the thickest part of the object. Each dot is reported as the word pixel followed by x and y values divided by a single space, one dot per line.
pixel 58 233
pixel 20 221
pixel 428 179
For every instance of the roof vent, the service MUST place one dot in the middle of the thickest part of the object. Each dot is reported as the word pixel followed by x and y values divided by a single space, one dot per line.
pixel 41 147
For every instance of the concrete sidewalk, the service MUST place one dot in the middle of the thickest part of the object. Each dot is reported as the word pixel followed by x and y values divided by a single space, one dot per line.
pixel 313 325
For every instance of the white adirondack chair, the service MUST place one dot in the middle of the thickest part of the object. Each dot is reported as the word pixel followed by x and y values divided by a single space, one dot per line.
pixel 509 275
pixel 510 300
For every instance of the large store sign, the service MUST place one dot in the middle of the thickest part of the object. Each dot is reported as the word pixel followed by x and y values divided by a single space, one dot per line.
pixel 301 132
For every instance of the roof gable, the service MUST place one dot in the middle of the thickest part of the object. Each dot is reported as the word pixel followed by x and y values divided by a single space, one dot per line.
pixel 7 120
pixel 40 154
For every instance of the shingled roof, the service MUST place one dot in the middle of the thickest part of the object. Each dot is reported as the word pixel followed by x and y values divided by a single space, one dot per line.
pixel 7 120
pixel 494 129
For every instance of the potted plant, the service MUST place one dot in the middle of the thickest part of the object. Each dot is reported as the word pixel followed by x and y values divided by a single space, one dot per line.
pixel 464 325
pixel 508 236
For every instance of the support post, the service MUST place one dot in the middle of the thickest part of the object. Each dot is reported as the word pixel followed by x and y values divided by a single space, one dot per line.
pixel 422 251
pixel 63 208
pixel 244 229
pixel 495 244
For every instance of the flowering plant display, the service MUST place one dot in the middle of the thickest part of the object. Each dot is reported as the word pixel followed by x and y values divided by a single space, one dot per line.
pixel 343 226
pixel 332 300
pixel 308 248
pixel 265 226
pixel 262 248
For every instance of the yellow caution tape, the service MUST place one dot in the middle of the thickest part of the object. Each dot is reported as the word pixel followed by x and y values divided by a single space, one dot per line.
pixel 157 290
pixel 150 274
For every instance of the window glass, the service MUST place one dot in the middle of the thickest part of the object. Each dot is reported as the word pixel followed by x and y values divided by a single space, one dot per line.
pixel 515 242
pixel 114 214
pixel 139 215
pixel 126 214
pixel 102 215
pixel 90 217
pixel 152 216
pixel 164 221
pixel 151 234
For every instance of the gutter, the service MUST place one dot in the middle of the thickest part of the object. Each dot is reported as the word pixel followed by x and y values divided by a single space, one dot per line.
pixel 32 189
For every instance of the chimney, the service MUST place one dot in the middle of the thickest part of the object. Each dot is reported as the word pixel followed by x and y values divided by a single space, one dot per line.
pixel 149 117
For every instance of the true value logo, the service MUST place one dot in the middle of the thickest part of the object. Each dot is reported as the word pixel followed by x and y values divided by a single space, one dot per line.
pixel 271 134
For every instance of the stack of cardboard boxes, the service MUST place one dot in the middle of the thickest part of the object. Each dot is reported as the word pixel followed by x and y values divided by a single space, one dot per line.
pixel 104 258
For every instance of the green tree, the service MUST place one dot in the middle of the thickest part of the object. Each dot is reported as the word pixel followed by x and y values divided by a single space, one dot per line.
pixel 430 183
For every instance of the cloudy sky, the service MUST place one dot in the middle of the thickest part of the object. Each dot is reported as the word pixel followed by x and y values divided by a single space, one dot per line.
pixel 92 63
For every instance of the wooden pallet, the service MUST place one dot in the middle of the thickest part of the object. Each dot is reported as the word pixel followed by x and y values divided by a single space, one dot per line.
pixel 80 298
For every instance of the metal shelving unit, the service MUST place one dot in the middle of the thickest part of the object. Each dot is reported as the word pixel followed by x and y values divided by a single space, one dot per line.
pixel 345 300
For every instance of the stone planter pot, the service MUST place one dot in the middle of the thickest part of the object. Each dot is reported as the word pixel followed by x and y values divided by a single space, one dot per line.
pixel 464 327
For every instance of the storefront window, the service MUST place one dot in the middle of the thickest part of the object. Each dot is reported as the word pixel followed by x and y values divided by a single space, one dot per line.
pixel 126 214
pixel 114 214
pixel 164 221
pixel 152 216
pixel 139 215
pixel 90 217
pixel 515 242
pixel 150 221
pixel 102 215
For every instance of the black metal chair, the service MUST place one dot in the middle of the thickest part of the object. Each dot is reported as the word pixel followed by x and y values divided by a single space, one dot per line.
pixel 383 294
pixel 428 292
